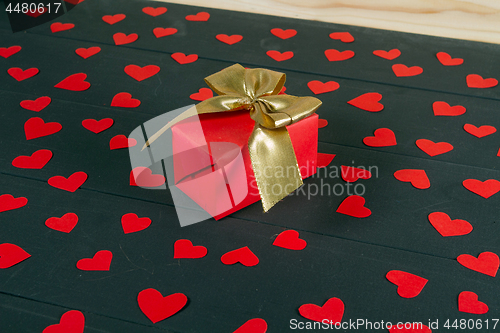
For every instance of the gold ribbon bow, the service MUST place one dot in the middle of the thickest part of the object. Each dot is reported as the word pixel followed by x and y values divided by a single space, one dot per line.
pixel 256 90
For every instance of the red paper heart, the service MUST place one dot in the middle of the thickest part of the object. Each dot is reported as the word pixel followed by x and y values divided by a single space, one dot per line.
pixel 100 262
pixel 486 263
pixel 389 55
pixel 112 19
pixel 354 206
pixel 331 311
pixel 37 160
pixel 156 307
pixel 121 141
pixel 142 176
pixel 154 11
pixel 468 302
pixel 289 239
pixel 409 285
pixel 230 40
pixel 200 17
pixel 66 223
pixel 485 189
pixel 125 100
pixel 324 160
pixel 242 255
pixel 132 223
pixel 182 59
pixel 20 75
pixel 352 174
pixel 37 105
pixel 87 52
pixel 342 36
pixel 368 102
pixel 418 178
pixel 445 59
pixel 35 127
pixel 318 87
pixel 184 249
pixel 322 123
pixel 335 55
pixel 202 94
pixel 283 34
pixel 432 149
pixel 71 322
pixel 97 126
pixel 70 184
pixel 278 56
pixel 481 131
pixel 141 73
pixel 11 255
pixel 477 81
pixel 444 109
pixel 256 325
pixel 74 2
pixel 58 26
pixel 414 328
pixel 403 71
pixel 120 38
pixel 8 202
pixel 162 32
pixel 384 137
pixel 448 227
pixel 75 82
pixel 8 51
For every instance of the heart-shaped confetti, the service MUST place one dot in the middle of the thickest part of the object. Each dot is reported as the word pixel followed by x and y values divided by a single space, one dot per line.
pixel 332 311
pixel 481 131
pixel 144 177
pixel 112 19
pixel 121 39
pixel 401 70
pixel 383 137
pixel 256 325
pixel 35 128
pixel 58 26
pixel 141 73
pixel 485 189
pixel 154 11
pixel 202 94
pixel 409 285
pixel 469 302
pixel 230 40
pixel 278 56
pixel 184 249
pixel 71 322
pixel 352 174
pixel 182 59
pixel 97 126
pixel 448 227
pixel 8 202
pixel 200 17
pixel 242 255
pixel 389 55
pixel 37 160
pixel 284 34
pixel 418 178
pixel 20 75
pixel 87 52
pixel 289 239
pixel 342 36
pixel 133 223
pixel 11 254
pixel 101 261
pixel 322 123
pixel 75 82
pixel 477 81
pixel 432 148
pixel 368 102
pixel 162 32
pixel 121 141
pixel 444 109
pixel 70 184
pixel 324 160
pixel 65 223
pixel 156 307
pixel 336 55
pixel 125 100
pixel 37 105
pixel 354 205
pixel 445 59
pixel 9 51
pixel 318 87
pixel 486 263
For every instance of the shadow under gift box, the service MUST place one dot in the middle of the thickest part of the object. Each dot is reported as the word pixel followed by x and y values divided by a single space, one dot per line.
pixel 212 164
